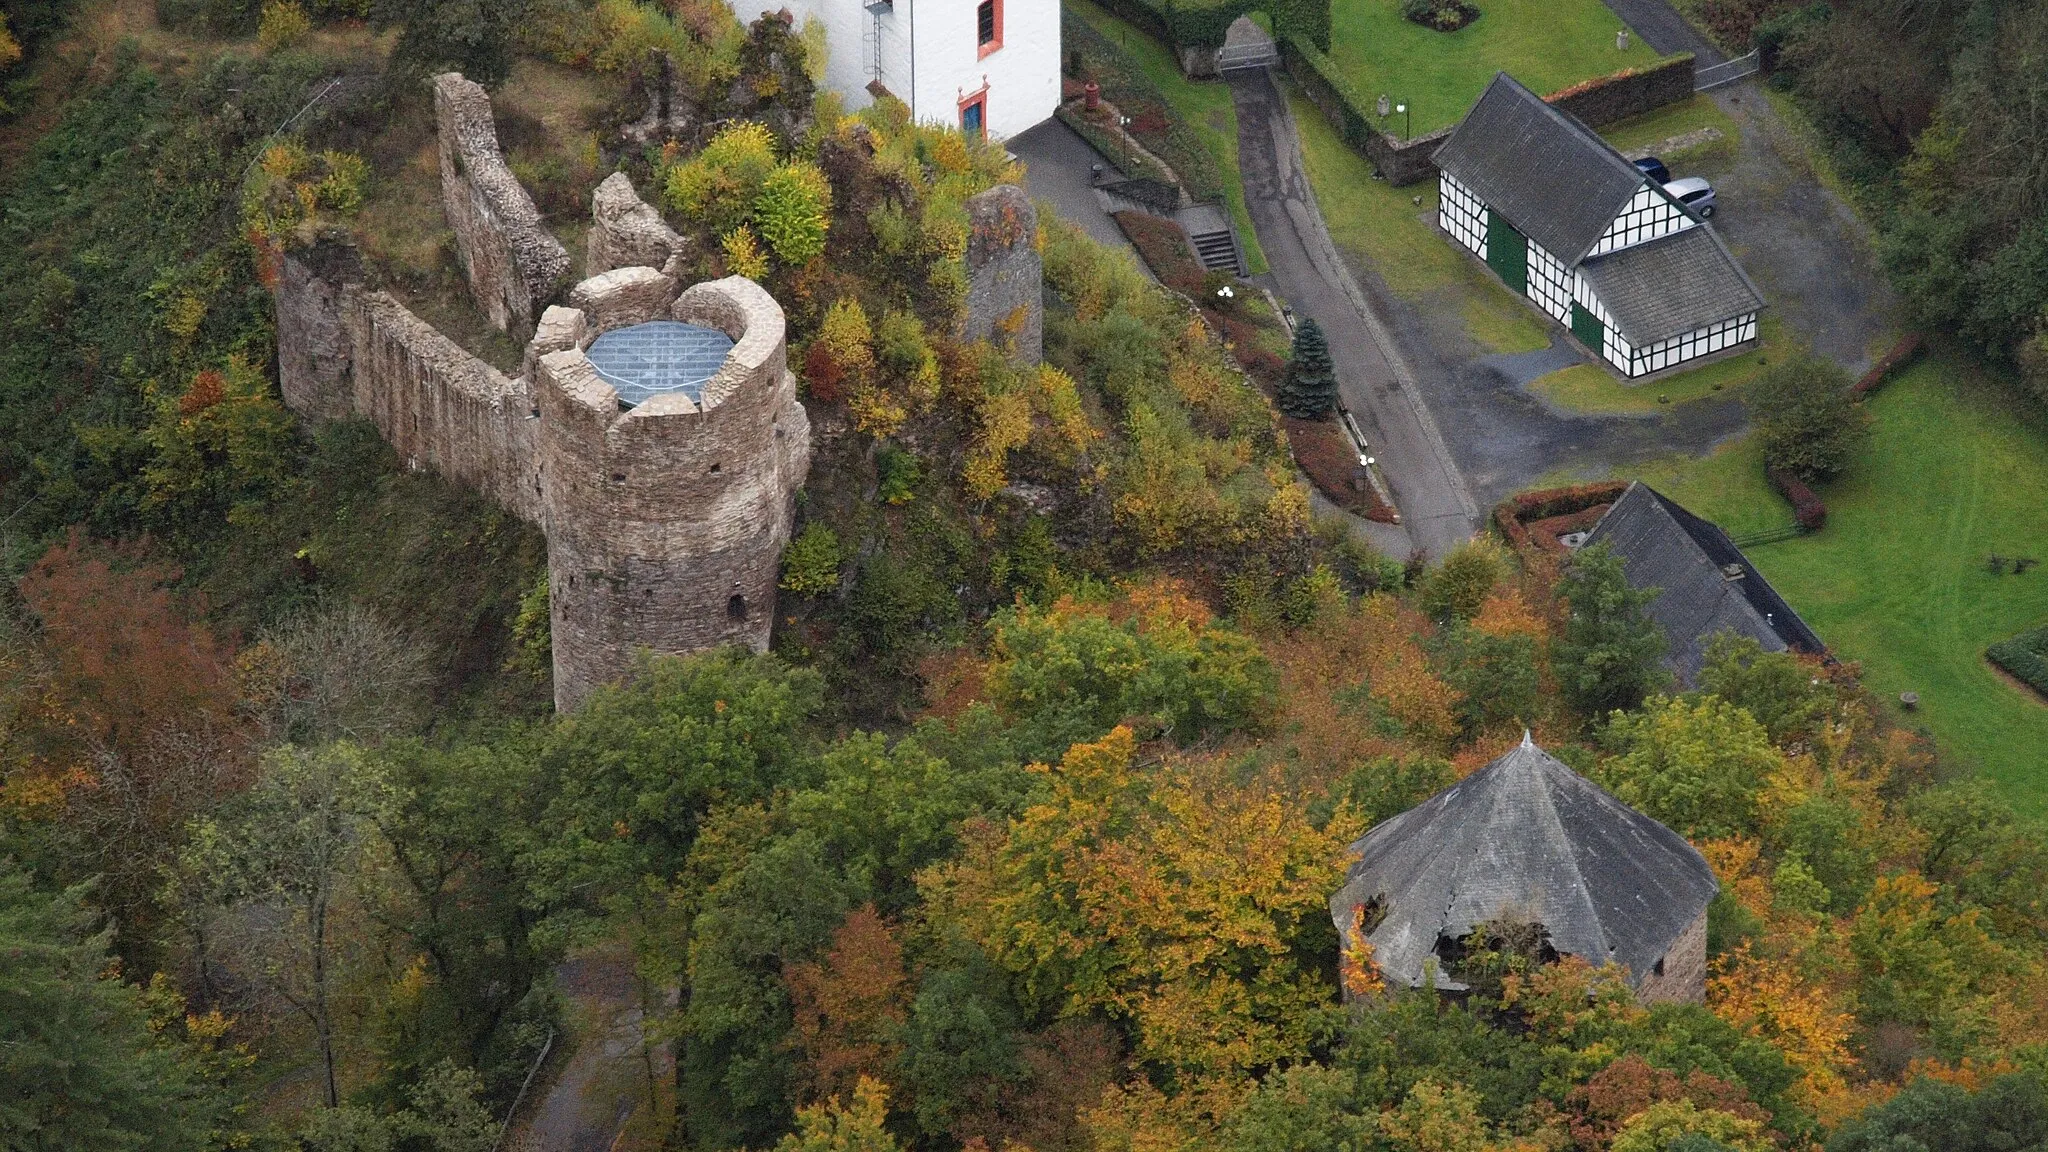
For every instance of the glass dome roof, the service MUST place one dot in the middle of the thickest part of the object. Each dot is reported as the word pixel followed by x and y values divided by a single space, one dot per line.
pixel 658 357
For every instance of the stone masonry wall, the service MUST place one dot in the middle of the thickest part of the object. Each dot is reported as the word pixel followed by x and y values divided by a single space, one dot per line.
pixel 314 350
pixel 1684 979
pixel 514 265
pixel 626 231
pixel 666 522
pixel 1005 273
pixel 441 407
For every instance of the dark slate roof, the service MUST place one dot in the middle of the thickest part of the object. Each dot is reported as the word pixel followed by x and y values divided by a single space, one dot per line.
pixel 1687 560
pixel 1556 181
pixel 1672 285
pixel 1525 839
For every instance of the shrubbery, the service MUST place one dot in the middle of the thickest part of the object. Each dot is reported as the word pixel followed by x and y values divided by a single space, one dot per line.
pixel 1808 421
pixel 2026 657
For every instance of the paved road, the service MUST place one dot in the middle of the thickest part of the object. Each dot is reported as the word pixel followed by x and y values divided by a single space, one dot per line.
pixel 1056 170
pixel 1438 509
pixel 606 1078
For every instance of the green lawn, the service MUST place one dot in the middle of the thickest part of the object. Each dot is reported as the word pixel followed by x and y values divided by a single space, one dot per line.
pixel 1653 128
pixel 1546 44
pixel 1898 578
pixel 1204 108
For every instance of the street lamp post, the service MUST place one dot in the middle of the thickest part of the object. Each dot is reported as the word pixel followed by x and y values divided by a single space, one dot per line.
pixel 1407 120
pixel 1124 122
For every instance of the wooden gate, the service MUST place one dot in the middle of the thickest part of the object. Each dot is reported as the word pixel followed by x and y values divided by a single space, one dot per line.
pixel 1589 330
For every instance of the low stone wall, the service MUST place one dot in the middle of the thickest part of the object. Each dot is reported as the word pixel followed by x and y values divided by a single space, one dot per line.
pixel 439 406
pixel 1631 92
pixel 513 263
pixel 1005 274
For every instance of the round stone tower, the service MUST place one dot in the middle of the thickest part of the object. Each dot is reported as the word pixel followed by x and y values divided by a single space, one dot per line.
pixel 671 447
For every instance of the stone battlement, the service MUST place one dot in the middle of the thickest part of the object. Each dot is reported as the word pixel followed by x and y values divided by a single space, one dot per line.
pixel 513 263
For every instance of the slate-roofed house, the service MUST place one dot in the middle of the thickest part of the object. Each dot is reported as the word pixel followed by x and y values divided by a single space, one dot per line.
pixel 1526 840
pixel 1593 242
pixel 1705 584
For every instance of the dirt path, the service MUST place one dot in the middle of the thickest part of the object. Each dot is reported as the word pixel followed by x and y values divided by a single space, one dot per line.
pixel 605 1080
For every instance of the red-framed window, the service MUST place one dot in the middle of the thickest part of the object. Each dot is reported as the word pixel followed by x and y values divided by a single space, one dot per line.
pixel 988 25
pixel 974 114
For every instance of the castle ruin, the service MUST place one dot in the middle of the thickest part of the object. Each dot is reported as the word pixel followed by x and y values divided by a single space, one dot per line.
pixel 652 433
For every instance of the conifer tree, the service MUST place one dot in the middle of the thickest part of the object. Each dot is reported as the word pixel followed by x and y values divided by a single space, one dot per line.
pixel 1309 390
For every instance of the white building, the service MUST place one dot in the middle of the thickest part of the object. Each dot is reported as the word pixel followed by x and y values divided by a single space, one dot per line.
pixel 1596 245
pixel 989 66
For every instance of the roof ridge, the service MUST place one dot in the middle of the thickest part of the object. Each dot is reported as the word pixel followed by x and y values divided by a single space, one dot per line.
pixel 1569 121
pixel 1579 887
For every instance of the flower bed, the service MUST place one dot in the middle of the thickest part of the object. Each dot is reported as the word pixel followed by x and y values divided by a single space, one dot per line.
pixel 2025 657
pixel 1326 453
pixel 1163 245
pixel 1807 507
pixel 1442 15
pixel 1513 515
pixel 1153 123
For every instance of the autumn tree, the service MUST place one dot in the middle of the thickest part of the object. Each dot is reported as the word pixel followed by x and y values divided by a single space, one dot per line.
pixel 2009 1112
pixel 855 1124
pixel 1458 587
pixel 849 1005
pixel 148 733
pixel 1180 900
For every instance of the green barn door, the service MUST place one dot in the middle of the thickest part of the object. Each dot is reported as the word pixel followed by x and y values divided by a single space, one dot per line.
pixel 1589 330
pixel 1507 251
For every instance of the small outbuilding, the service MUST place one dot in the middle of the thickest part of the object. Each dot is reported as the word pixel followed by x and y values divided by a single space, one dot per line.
pixel 1704 584
pixel 1593 242
pixel 1527 841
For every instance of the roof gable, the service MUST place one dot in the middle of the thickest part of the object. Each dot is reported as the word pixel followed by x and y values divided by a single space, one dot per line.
pixel 1554 179
pixel 1688 560
pixel 1525 839
pixel 1672 285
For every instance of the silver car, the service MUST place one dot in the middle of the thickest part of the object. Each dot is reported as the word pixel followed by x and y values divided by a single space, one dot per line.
pixel 1694 193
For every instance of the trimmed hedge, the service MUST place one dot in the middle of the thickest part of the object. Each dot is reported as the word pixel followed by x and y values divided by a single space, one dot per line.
pixel 1807 507
pixel 1901 354
pixel 2025 656
pixel 1203 23
pixel 1400 161
pixel 1512 514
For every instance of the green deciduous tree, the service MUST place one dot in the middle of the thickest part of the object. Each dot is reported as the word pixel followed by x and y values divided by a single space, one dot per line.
pixel 1808 423
pixel 1455 589
pixel 2009 1112
pixel 1309 389
pixel 793 211
pixel 473 37
pixel 1610 654
pixel 1697 767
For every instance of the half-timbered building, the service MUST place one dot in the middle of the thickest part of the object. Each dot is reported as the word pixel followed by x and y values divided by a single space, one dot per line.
pixel 1594 244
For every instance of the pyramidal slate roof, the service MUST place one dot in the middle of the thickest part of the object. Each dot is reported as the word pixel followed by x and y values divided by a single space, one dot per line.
pixel 1688 560
pixel 1672 285
pixel 1554 179
pixel 1528 840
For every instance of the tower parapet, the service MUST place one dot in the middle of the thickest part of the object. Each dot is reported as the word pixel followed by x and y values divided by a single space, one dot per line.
pixel 668 484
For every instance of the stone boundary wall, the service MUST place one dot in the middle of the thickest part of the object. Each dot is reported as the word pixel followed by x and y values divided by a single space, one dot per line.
pixel 1684 979
pixel 1631 92
pixel 626 231
pixel 315 351
pixel 1005 274
pixel 1599 102
pixel 514 265
pixel 439 406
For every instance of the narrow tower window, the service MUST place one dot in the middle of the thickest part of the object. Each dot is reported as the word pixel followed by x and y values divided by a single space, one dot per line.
pixel 736 607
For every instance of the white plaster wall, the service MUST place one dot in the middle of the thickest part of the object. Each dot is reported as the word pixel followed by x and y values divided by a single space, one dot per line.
pixel 1023 76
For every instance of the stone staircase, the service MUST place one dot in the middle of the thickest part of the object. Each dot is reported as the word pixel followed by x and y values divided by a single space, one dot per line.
pixel 1212 237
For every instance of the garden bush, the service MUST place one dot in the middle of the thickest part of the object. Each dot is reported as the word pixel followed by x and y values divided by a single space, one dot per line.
pixel 1442 15
pixel 1809 422
pixel 2025 656
pixel 1163 245
pixel 1807 507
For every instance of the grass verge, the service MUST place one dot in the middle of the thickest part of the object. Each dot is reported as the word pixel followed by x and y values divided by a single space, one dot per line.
pixel 1546 44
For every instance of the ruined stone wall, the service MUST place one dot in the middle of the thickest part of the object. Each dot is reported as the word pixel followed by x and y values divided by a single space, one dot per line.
pixel 513 264
pixel 666 522
pixel 1684 979
pixel 625 231
pixel 314 349
pixel 439 406
pixel 1005 273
